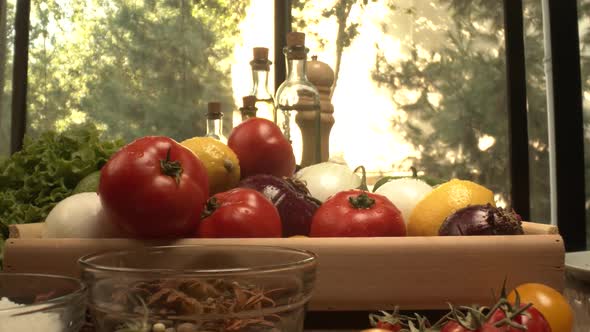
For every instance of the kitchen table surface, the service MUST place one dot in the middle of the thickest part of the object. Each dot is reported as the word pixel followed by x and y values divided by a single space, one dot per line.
pixel 578 294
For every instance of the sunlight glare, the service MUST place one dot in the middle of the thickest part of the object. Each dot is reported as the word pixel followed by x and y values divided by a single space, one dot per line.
pixel 485 142
pixel 361 107
pixel 256 31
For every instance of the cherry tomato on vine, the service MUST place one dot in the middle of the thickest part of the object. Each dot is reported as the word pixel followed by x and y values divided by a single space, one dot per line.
pixel 531 320
pixel 388 326
pixel 549 302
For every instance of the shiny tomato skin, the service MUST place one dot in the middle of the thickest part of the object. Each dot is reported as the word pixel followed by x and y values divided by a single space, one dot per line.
pixel 145 202
pixel 533 320
pixel 388 326
pixel 262 148
pixel 240 213
pixel 551 303
pixel 497 316
pixel 338 217
pixel 489 327
pixel 453 326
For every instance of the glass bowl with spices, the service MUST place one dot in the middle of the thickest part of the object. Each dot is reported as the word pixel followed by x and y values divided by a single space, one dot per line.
pixel 189 288
pixel 41 302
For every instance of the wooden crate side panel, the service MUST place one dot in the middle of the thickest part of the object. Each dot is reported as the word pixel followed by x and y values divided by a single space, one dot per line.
pixel 361 273
pixel 35 230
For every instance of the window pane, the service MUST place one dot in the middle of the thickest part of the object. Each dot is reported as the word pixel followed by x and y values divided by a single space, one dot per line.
pixel 537 111
pixel 139 68
pixel 584 30
pixel 420 83
pixel 6 50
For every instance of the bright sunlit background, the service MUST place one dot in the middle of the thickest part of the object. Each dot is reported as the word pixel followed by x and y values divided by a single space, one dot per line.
pixel 360 106
pixel 409 90
pixel 365 114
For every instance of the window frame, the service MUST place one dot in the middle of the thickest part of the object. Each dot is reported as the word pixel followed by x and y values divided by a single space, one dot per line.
pixel 18 124
pixel 568 187
pixel 567 154
pixel 517 108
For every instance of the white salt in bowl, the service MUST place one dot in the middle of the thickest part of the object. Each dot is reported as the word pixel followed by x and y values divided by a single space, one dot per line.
pixel 39 302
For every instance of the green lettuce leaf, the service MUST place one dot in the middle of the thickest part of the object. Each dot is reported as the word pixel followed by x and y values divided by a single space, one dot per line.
pixel 46 171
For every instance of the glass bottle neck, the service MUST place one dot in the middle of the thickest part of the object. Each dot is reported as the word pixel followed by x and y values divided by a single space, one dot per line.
pixel 260 84
pixel 296 69
pixel 215 128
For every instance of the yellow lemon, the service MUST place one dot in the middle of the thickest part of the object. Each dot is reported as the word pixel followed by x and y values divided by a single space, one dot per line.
pixel 223 167
pixel 430 212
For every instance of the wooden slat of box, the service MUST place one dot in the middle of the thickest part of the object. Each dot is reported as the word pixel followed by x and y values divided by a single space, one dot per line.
pixel 35 230
pixel 361 273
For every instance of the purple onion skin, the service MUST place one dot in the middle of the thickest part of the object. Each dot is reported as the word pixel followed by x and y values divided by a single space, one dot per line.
pixel 482 220
pixel 293 201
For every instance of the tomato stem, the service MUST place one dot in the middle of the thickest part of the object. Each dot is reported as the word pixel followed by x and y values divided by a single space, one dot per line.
pixel 414 172
pixel 362 201
pixel 363 185
pixel 210 207
pixel 171 168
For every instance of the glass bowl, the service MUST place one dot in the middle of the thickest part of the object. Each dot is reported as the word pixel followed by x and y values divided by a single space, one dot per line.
pixel 40 302
pixel 199 288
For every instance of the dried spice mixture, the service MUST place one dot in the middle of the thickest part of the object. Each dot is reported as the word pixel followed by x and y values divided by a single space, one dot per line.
pixel 175 305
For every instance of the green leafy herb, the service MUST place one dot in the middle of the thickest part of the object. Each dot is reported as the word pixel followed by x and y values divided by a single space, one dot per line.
pixel 46 171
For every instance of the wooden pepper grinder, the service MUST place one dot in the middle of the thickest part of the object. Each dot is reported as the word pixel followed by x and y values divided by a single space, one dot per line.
pixel 298 99
pixel 322 76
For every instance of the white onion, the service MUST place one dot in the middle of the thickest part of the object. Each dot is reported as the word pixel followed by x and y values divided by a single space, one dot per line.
pixel 78 216
pixel 404 193
pixel 328 178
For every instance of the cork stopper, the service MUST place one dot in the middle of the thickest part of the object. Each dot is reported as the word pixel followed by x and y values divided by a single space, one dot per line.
pixel 295 49
pixel 260 53
pixel 249 101
pixel 214 110
pixel 260 61
pixel 295 39
pixel 248 110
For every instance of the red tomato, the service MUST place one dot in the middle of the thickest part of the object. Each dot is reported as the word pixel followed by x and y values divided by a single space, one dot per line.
pixel 240 212
pixel 531 319
pixel 388 326
pixel 385 321
pixel 154 187
pixel 453 326
pixel 487 327
pixel 357 213
pixel 551 303
pixel 262 148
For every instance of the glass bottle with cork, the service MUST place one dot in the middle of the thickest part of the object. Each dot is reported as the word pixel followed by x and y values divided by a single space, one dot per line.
pixel 214 122
pixel 298 104
pixel 264 101
pixel 248 110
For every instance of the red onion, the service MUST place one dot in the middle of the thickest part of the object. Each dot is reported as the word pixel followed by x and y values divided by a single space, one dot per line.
pixel 482 220
pixel 291 198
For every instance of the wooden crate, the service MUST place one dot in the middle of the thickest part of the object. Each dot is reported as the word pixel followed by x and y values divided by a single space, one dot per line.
pixel 357 274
